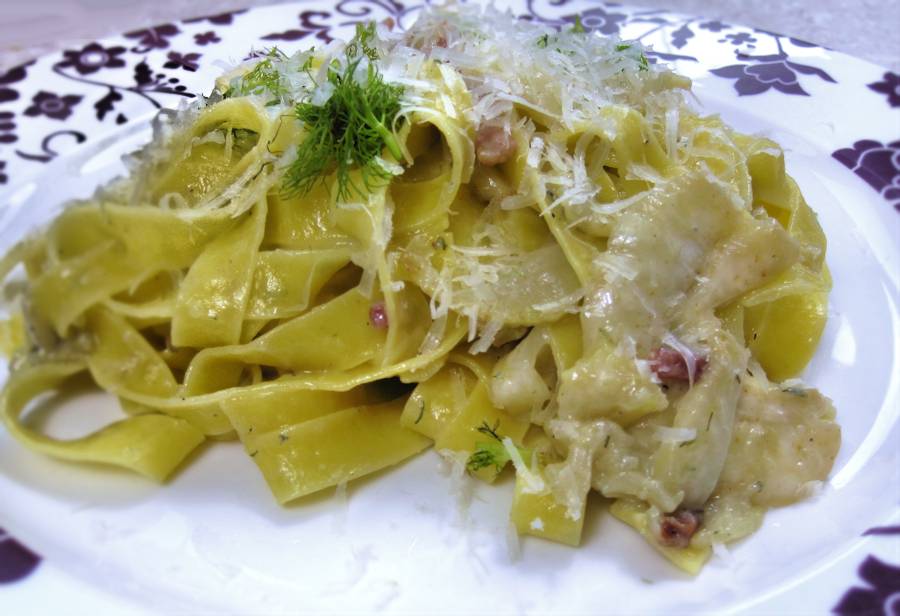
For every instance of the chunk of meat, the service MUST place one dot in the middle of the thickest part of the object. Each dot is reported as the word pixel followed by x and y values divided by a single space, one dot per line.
pixel 676 529
pixel 378 316
pixel 494 145
pixel 670 365
pixel 427 42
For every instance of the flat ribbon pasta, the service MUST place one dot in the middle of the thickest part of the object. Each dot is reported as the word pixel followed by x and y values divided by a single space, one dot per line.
pixel 523 249
pixel 152 445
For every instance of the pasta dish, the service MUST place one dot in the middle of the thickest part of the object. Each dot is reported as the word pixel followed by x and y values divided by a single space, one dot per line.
pixel 516 244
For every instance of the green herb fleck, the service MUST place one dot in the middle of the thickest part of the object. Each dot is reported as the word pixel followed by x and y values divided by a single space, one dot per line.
pixel 493 452
pixel 578 26
pixel 487 454
pixel 543 41
pixel 421 411
pixel 643 64
pixel 795 391
pixel 351 129
pixel 486 429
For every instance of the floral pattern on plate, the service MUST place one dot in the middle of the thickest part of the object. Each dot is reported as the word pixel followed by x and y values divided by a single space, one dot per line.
pixel 877 163
pixel 880 596
pixel 889 86
pixel 16 561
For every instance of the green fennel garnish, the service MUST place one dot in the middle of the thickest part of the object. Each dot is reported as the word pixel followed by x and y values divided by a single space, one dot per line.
pixel 262 78
pixel 349 131
pixel 362 42
pixel 493 452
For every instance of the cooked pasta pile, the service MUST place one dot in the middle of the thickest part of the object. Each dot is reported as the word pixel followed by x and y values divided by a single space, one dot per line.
pixel 514 244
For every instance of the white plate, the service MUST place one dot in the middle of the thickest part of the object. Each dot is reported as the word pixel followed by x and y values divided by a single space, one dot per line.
pixel 213 538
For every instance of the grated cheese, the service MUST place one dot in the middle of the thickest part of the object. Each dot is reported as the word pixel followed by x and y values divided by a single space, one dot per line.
pixel 532 483
pixel 686 353
pixel 675 436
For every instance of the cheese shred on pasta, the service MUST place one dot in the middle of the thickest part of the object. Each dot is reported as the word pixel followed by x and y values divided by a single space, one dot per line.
pixel 513 243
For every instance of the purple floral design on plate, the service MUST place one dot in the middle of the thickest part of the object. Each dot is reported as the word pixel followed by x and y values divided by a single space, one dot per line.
pixel 309 24
pixel 187 61
pixel 3 177
pixel 16 561
pixel 52 105
pixel 882 530
pixel 13 75
pixel 153 38
pixel 739 38
pixel 48 151
pixel 654 56
pixel 882 596
pixel 146 79
pixel 890 85
pixel 769 72
pixel 206 38
pixel 758 74
pixel 877 163
pixel 93 57
pixel 7 127
pixel 796 41
pixel 222 19
pixel 681 36
pixel 714 26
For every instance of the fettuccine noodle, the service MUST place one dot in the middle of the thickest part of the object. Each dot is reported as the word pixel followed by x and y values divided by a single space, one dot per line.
pixel 514 244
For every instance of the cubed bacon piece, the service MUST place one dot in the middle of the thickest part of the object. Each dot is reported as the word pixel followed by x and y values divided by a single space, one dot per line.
pixel 432 40
pixel 677 528
pixel 670 365
pixel 494 145
pixel 378 316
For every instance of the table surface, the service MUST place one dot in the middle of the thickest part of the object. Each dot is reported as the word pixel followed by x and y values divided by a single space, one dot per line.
pixel 864 28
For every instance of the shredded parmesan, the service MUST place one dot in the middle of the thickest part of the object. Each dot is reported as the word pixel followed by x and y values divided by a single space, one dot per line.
pixel 487 337
pixel 453 465
pixel 513 549
pixel 342 506
pixel 675 435
pixel 532 483
pixel 686 353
